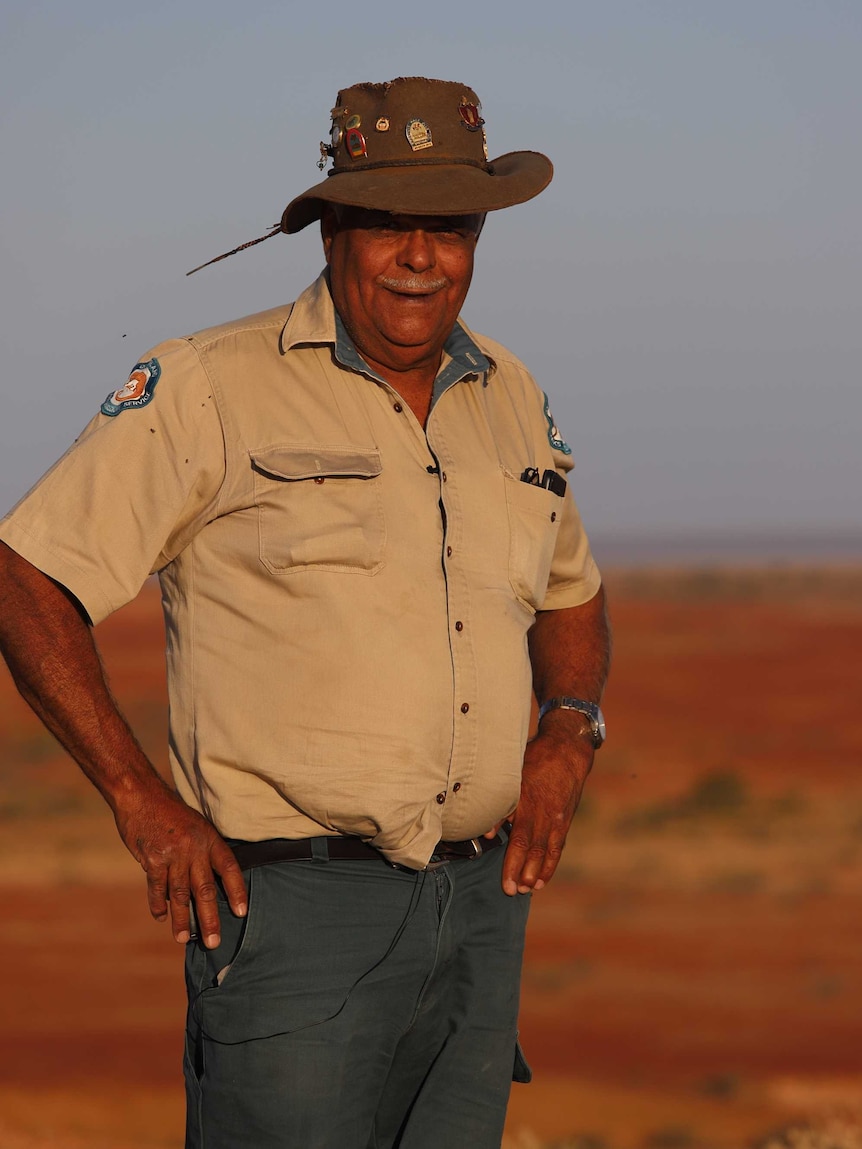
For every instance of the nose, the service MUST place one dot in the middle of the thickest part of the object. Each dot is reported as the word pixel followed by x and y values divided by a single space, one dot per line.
pixel 416 251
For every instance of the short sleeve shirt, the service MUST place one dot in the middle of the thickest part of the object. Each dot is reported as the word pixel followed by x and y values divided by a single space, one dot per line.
pixel 347 594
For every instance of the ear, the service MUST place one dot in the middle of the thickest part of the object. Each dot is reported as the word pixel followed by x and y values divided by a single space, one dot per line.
pixel 328 228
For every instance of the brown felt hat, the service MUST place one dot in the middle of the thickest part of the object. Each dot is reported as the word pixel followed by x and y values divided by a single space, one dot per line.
pixel 415 146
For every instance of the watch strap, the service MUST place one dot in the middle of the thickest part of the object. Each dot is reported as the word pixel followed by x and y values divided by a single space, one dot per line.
pixel 591 710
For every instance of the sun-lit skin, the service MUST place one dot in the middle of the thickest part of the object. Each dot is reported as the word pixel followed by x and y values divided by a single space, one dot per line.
pixel 398 283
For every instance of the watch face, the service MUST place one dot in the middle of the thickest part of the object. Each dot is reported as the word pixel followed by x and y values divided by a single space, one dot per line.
pixel 597 721
pixel 600 731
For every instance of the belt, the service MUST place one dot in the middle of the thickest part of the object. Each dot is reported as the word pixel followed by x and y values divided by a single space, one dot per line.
pixel 251 854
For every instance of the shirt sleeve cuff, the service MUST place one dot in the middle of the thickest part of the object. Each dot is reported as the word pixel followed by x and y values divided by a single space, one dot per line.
pixel 575 593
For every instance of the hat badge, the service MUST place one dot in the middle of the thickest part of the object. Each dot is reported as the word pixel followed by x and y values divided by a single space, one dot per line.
pixel 355 143
pixel 418 134
pixel 471 114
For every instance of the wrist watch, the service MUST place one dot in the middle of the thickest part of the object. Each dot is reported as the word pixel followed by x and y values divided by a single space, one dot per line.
pixel 592 711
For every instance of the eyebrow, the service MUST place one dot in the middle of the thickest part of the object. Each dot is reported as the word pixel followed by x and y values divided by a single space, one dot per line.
pixel 371 218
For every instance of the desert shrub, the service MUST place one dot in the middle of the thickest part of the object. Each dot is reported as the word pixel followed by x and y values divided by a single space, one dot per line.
pixel 720 793
pixel 671 1137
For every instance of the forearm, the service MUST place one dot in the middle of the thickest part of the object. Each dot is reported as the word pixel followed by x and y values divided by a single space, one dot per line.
pixel 570 655
pixel 52 658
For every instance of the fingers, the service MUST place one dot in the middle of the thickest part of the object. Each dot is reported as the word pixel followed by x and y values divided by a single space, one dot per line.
pixel 205 892
pixel 202 889
pixel 157 893
pixel 227 867
pixel 182 859
pixel 180 896
pixel 169 884
pixel 532 854
pixel 550 792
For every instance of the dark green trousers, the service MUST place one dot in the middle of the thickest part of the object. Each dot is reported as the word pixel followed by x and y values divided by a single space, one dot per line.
pixel 357 1007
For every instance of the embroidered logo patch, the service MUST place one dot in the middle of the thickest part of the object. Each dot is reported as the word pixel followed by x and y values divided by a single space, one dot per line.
pixel 137 392
pixel 554 437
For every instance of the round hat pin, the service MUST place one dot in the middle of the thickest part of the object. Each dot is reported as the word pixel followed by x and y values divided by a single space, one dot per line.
pixel 382 124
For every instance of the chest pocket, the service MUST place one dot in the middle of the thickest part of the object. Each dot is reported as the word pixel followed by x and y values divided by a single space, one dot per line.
pixel 319 508
pixel 534 521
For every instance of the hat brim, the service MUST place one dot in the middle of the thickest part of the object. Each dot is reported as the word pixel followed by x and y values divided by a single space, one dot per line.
pixel 426 189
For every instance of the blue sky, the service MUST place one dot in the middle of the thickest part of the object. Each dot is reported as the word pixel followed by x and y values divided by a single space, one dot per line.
pixel 687 290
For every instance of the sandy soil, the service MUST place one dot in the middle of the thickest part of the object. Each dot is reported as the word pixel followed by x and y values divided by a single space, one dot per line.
pixel 692 975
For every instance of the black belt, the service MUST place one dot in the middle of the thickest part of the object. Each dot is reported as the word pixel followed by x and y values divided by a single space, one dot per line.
pixel 251 854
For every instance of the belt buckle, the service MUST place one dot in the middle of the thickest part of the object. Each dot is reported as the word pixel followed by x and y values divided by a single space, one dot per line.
pixel 453 857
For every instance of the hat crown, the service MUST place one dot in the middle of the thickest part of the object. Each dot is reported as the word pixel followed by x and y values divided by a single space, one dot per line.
pixel 408 121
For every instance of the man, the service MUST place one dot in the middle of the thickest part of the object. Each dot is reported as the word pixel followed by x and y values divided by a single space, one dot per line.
pixel 368 555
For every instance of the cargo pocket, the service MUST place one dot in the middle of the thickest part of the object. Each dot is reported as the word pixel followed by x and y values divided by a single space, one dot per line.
pixel 521 1071
pixel 319 508
pixel 534 521
pixel 279 979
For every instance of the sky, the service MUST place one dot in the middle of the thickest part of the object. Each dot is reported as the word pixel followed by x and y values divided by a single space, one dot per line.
pixel 687 290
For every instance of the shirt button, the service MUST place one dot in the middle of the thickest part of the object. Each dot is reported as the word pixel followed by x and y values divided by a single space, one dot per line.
pixel 448 552
pixel 441 797
pixel 397 407
pixel 465 706
pixel 553 516
pixel 456 787
pixel 459 625
pixel 319 479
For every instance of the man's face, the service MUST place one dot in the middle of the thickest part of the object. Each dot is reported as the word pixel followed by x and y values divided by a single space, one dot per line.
pixel 398 281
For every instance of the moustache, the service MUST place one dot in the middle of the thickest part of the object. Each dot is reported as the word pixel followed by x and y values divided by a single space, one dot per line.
pixel 413 283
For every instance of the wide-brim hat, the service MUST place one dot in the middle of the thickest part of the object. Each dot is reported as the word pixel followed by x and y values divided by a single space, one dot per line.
pixel 415 146
pixel 411 146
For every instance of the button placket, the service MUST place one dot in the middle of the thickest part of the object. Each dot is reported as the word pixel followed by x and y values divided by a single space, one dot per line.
pixel 465 731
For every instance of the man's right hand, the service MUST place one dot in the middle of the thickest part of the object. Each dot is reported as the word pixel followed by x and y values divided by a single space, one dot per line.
pixel 181 853
pixel 48 646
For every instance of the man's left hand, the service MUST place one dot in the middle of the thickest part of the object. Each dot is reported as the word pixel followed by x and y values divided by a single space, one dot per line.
pixel 551 786
pixel 569 651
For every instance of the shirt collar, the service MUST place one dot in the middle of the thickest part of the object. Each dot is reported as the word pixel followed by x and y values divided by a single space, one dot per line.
pixel 314 320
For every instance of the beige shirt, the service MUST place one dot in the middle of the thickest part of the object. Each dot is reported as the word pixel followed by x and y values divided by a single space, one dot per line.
pixel 347 595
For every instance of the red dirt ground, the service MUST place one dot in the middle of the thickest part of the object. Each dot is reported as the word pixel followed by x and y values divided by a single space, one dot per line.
pixel 692 974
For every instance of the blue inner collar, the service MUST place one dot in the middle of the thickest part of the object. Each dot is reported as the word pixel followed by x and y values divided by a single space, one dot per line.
pixel 465 358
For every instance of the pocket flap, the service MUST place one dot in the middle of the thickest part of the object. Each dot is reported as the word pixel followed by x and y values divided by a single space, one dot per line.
pixel 314 461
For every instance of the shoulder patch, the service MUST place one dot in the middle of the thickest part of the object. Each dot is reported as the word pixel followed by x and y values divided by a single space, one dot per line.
pixel 554 437
pixel 138 392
